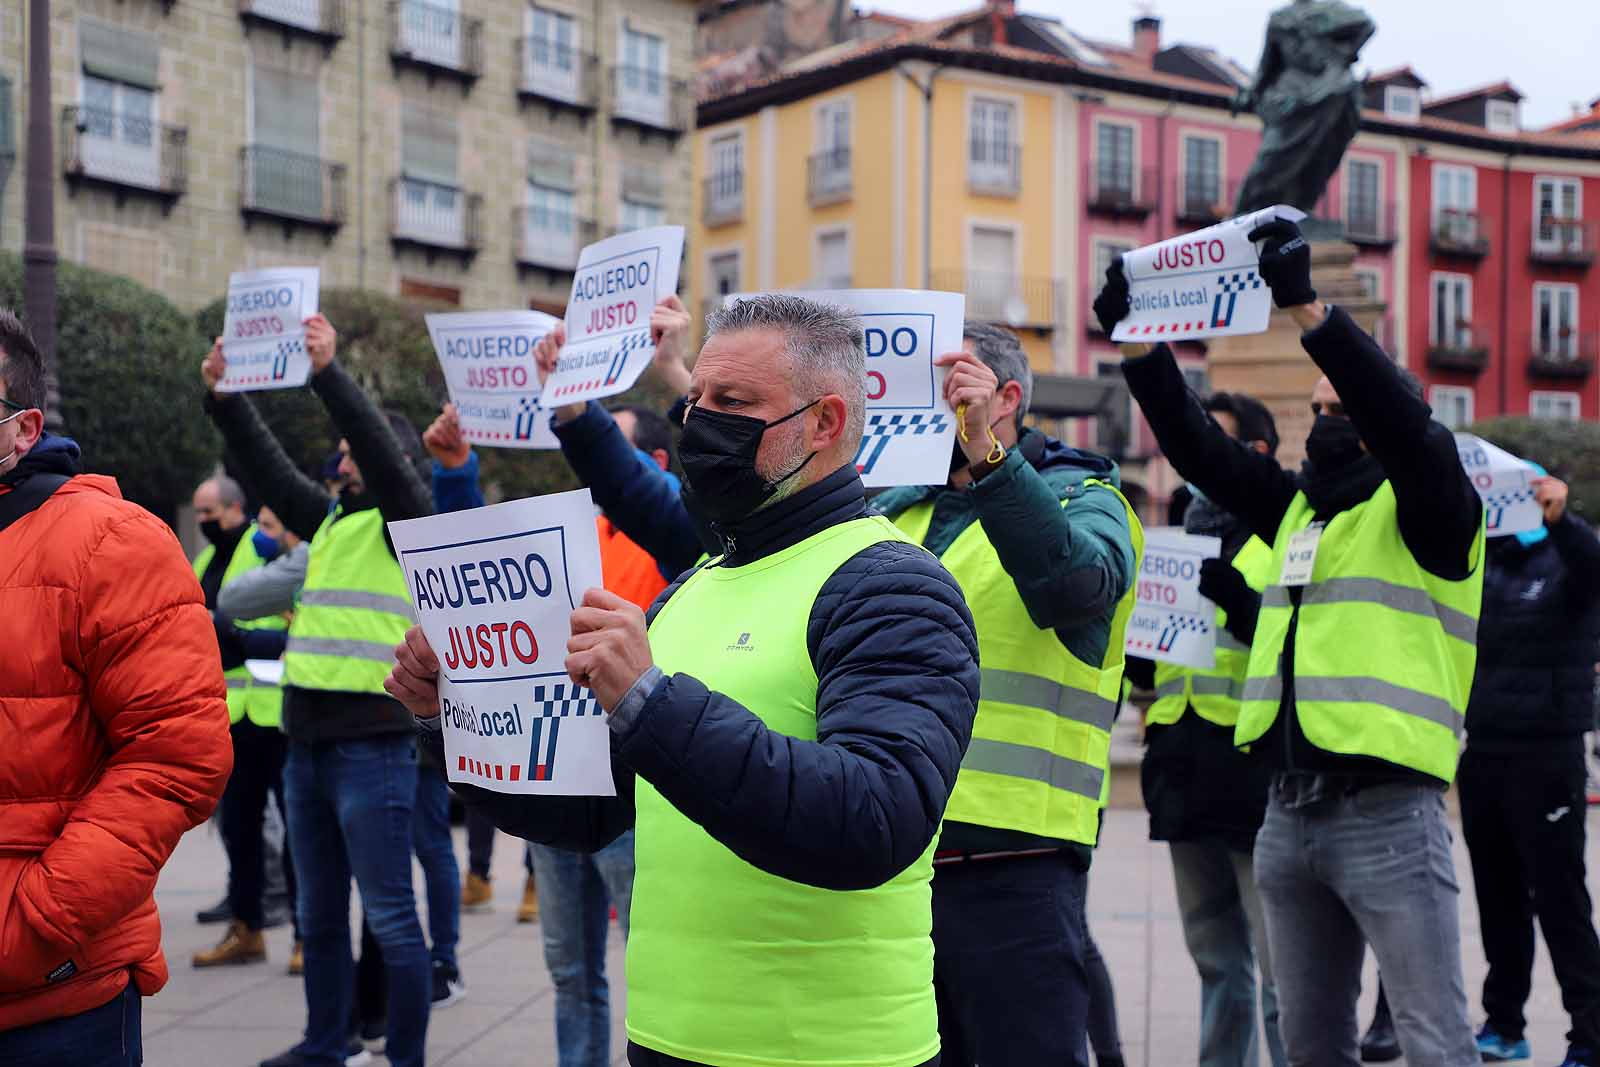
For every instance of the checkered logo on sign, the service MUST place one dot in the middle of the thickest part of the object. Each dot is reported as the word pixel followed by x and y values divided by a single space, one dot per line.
pixel 280 358
pixel 1227 298
pixel 552 703
pixel 1497 502
pixel 1178 625
pixel 527 411
pixel 883 428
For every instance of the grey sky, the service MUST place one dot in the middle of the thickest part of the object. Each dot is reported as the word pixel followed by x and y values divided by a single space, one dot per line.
pixel 1546 48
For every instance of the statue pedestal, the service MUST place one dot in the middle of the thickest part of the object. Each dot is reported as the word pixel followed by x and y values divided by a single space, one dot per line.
pixel 1274 368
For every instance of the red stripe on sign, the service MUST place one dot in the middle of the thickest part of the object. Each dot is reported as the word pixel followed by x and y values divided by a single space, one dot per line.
pixel 541 773
pixel 516 772
pixel 499 772
pixel 463 763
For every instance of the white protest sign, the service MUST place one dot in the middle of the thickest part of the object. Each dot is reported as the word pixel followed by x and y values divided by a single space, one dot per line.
pixel 1171 621
pixel 489 368
pixel 614 290
pixel 1202 284
pixel 910 430
pixel 494 590
pixel 1505 483
pixel 263 330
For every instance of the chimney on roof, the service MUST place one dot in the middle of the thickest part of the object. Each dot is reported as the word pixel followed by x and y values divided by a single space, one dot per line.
pixel 1146 37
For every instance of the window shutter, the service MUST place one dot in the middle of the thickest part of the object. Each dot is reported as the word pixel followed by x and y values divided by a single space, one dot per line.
pixel 287 111
pixel 427 146
pixel 642 185
pixel 551 164
pixel 119 54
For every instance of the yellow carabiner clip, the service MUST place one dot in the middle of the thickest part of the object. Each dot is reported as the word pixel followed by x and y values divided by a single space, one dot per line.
pixel 996 452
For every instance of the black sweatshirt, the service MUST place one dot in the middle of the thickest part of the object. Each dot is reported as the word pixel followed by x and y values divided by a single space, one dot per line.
pixel 1438 510
pixel 314 715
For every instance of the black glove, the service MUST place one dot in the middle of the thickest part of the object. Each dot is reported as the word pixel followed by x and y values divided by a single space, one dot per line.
pixel 1222 584
pixel 1285 263
pixel 1112 306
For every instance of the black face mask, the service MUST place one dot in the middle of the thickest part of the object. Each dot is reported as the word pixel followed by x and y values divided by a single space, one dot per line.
pixel 718 452
pixel 1334 442
pixel 212 530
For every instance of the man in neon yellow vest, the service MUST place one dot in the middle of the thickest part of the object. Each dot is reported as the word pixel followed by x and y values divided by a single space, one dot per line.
pixel 1205 797
pixel 1045 548
pixel 1359 674
pixel 785 734
pixel 351 774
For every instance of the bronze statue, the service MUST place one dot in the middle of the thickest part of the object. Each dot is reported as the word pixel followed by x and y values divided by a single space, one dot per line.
pixel 1309 102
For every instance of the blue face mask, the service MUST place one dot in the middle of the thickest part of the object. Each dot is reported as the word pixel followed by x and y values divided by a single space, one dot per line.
pixel 266 547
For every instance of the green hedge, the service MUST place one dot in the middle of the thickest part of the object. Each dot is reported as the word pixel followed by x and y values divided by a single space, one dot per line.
pixel 1568 450
pixel 130 369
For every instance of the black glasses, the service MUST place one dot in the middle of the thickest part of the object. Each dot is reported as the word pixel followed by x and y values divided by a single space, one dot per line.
pixel 13 405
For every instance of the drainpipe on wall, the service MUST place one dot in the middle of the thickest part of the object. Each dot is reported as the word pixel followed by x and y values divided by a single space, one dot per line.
pixel 926 89
pixel 1505 287
pixel 361 145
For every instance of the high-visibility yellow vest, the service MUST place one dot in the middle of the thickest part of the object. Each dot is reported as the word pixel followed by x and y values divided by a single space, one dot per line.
pixel 1213 693
pixel 1384 651
pixel 260 702
pixel 353 608
pixel 1041 745
pixel 728 964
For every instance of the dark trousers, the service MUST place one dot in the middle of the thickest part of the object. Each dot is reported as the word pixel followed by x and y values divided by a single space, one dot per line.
pixel 107 1036
pixel 1523 820
pixel 258 755
pixel 480 842
pixel 1008 962
pixel 639 1056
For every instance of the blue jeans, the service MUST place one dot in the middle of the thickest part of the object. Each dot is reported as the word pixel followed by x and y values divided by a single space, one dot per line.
pixel 1350 869
pixel 576 893
pixel 1224 931
pixel 350 812
pixel 430 833
pixel 107 1036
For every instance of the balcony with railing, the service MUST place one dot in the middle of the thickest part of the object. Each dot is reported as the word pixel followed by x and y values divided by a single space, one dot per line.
pixel 1564 242
pixel 1458 349
pixel 829 179
pixel 1203 200
pixel 649 100
pixel 998 173
pixel 436 39
pixel 1015 300
pixel 322 19
pixel 125 152
pixel 1370 225
pixel 1119 190
pixel 291 188
pixel 435 217
pixel 1458 233
pixel 557 75
pixel 1566 355
pixel 722 200
pixel 551 240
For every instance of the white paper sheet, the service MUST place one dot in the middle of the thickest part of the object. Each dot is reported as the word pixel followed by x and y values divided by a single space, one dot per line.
pixel 1171 621
pixel 263 329
pixel 489 368
pixel 1505 483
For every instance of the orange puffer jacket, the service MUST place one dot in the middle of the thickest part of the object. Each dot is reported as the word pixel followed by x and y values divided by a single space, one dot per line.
pixel 113 743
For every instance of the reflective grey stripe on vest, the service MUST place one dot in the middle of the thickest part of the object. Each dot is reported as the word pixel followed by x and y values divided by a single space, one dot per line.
pixel 355 598
pixel 1031 691
pixel 1227 641
pixel 1172 687
pixel 1209 685
pixel 1457 624
pixel 1361 691
pixel 1035 765
pixel 239 683
pixel 340 646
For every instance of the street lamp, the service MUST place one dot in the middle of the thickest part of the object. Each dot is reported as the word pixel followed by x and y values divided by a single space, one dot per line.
pixel 39 210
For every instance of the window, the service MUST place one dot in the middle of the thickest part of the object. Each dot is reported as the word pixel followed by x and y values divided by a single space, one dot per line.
pixel 550 235
pixel 830 164
pixel 643 196
pixel 1196 378
pixel 1554 405
pixel 1500 116
pixel 286 173
pixel 725 186
pixel 1202 178
pixel 1114 162
pixel 642 79
pixel 117 121
pixel 552 54
pixel 1371 284
pixel 992 148
pixel 1361 211
pixel 1450 322
pixel 993 292
pixel 639 215
pixel 831 268
pixel 429 205
pixel 1452 405
pixel 1401 102
pixel 1558 207
pixel 1555 327
pixel 1455 204
pixel 430 31
pixel 723 270
pixel 1113 427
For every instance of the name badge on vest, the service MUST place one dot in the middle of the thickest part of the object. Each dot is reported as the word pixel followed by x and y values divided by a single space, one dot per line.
pixel 1301 558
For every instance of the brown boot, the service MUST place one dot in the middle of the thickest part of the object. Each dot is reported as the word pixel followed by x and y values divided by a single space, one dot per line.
pixel 529 911
pixel 477 893
pixel 239 945
pixel 297 958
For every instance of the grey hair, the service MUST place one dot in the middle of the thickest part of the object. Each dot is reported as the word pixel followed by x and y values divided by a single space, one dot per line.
pixel 1002 353
pixel 229 492
pixel 826 345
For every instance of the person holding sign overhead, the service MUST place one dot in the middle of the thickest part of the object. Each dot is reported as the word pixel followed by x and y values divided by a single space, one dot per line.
pixel 1046 549
pixel 787 724
pixel 351 775
pixel 1357 685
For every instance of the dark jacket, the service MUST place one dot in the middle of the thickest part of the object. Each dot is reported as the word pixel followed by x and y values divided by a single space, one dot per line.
pixel 1536 641
pixel 1439 512
pixel 456 488
pixel 896 661
pixel 392 486
pixel 1071 565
